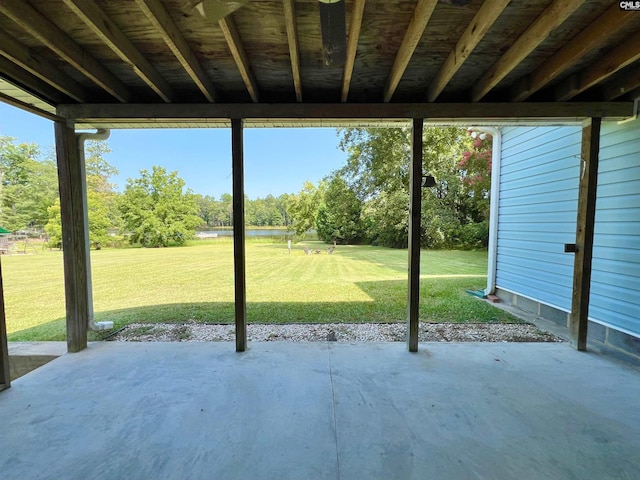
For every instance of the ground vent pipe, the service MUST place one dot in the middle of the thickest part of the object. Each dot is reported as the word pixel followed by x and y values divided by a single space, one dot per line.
pixel 100 134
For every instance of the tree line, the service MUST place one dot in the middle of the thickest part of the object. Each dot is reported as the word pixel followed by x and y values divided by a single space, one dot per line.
pixel 155 209
pixel 365 201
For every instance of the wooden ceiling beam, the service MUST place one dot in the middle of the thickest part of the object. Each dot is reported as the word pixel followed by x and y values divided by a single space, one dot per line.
pixel 29 108
pixel 477 29
pixel 357 13
pixel 59 42
pixel 206 112
pixel 624 54
pixel 593 37
pixel 231 35
pixel 14 51
pixel 95 18
pixel 18 76
pixel 294 50
pixel 551 18
pixel 627 82
pixel 412 36
pixel 164 24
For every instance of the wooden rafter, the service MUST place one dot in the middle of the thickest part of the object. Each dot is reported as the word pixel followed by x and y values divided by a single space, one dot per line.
pixel 59 42
pixel 551 18
pixel 165 26
pixel 294 51
pixel 593 37
pixel 624 54
pixel 24 58
pixel 27 107
pixel 412 36
pixel 357 13
pixel 477 29
pixel 91 14
pixel 231 35
pixel 626 83
pixel 16 75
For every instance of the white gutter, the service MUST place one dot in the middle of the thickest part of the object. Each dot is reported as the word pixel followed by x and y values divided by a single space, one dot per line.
pixel 100 134
pixel 496 156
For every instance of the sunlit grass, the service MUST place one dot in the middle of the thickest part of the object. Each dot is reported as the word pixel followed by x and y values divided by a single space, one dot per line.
pixel 195 283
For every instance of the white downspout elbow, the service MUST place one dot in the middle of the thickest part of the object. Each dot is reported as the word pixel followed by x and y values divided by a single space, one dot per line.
pixel 100 134
pixel 496 156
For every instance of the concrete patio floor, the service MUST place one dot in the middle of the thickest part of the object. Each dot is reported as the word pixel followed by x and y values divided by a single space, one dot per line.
pixel 323 411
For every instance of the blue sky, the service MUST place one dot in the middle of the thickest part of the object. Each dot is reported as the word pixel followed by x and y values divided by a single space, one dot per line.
pixel 277 160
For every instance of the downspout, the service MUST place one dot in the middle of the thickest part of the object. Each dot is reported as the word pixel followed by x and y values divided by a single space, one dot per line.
pixel 100 134
pixel 496 156
pixel 636 108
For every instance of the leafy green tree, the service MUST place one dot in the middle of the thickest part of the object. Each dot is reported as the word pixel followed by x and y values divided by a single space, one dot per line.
pixel 28 185
pixel 378 171
pixel 475 171
pixel 206 209
pixel 102 198
pixel 53 228
pixel 387 218
pixel 304 207
pixel 339 216
pixel 225 210
pixel 157 210
pixel 102 208
pixel 282 205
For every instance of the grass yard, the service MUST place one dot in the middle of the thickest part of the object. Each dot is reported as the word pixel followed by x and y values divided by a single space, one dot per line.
pixel 195 283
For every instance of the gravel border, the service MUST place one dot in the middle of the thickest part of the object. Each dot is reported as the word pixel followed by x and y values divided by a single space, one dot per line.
pixel 338 332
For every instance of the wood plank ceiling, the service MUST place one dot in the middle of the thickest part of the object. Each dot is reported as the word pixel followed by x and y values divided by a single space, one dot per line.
pixel 55 52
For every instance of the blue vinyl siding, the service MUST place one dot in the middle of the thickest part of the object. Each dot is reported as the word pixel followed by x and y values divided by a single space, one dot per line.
pixel 615 277
pixel 538 204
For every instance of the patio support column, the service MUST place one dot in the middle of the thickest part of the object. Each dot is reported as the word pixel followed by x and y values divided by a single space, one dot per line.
pixel 415 210
pixel 75 244
pixel 578 319
pixel 237 154
pixel 5 376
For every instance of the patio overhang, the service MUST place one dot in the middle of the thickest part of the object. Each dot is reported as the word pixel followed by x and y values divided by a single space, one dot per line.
pixel 168 63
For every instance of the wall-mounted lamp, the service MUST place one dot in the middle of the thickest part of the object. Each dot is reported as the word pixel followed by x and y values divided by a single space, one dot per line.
pixel 428 181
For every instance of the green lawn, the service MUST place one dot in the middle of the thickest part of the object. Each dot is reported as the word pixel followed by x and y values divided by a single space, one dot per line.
pixel 195 283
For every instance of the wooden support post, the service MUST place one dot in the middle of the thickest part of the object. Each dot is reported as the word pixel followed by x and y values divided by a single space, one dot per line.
pixel 415 210
pixel 5 376
pixel 75 226
pixel 578 320
pixel 237 153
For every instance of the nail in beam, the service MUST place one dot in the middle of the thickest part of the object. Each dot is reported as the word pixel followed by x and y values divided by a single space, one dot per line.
pixel 415 207
pixel 73 211
pixel 237 154
pixel 578 319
